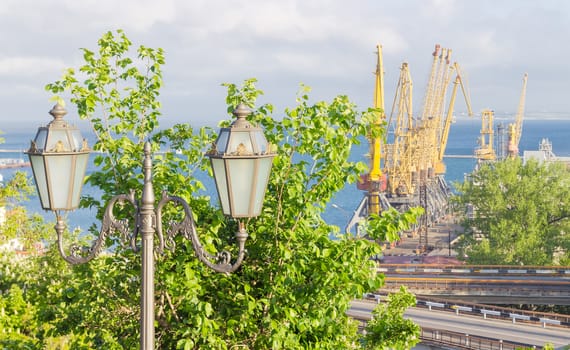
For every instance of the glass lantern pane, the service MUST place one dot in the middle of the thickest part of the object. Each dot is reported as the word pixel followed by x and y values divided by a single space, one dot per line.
pixel 237 139
pixel 39 171
pixel 222 142
pixel 221 183
pixel 261 142
pixel 53 142
pixel 263 171
pixel 241 176
pixel 58 169
pixel 41 137
pixel 76 140
pixel 80 167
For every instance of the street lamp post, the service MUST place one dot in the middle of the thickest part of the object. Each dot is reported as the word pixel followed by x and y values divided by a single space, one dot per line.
pixel 241 159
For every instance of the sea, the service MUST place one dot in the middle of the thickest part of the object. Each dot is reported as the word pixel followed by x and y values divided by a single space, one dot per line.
pixel 463 139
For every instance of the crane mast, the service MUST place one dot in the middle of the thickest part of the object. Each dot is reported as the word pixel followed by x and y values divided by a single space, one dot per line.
pixel 486 152
pixel 515 130
pixel 375 175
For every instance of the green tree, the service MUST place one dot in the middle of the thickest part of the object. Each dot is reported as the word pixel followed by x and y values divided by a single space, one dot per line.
pixel 16 225
pixel 296 284
pixel 15 190
pixel 388 329
pixel 16 316
pixel 521 214
pixel 19 224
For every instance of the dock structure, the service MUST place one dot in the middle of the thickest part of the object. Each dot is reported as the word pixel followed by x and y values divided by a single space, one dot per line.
pixel 8 163
pixel 545 154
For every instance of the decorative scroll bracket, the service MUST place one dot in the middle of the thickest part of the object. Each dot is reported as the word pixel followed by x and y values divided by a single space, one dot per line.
pixel 220 262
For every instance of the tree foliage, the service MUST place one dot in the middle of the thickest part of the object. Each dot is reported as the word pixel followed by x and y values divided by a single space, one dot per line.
pixel 521 214
pixel 15 190
pixel 388 329
pixel 18 225
pixel 296 284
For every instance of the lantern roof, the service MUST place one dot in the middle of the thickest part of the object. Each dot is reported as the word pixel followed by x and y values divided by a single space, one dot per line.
pixel 58 136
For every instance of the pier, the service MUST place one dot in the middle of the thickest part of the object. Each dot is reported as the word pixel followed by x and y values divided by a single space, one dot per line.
pixel 464 156
pixel 9 163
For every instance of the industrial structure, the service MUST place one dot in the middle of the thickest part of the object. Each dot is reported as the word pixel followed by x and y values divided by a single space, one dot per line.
pixel 515 129
pixel 374 182
pixel 407 168
pixel 486 151
pixel 504 145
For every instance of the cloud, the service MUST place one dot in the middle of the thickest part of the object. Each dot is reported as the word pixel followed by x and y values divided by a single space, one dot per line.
pixel 136 15
pixel 22 66
pixel 328 44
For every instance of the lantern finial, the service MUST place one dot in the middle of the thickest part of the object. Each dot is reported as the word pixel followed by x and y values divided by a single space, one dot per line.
pixel 241 112
pixel 57 112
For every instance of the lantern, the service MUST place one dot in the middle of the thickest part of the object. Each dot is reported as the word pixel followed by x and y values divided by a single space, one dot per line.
pixel 59 156
pixel 241 161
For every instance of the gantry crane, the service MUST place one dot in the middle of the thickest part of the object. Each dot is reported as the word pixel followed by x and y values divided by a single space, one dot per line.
pixel 486 152
pixel 431 194
pixel 515 129
pixel 423 135
pixel 436 121
pixel 398 163
pixel 439 165
pixel 399 172
pixel 428 131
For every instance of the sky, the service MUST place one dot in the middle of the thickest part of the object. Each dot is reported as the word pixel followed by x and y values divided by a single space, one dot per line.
pixel 327 45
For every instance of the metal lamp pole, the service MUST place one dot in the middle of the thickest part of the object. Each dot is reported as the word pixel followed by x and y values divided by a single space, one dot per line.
pixel 147 217
pixel 58 150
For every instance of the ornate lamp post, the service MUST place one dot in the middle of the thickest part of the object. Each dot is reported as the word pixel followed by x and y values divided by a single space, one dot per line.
pixel 241 159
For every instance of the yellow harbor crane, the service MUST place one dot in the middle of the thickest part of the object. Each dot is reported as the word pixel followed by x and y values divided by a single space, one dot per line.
pixel 515 129
pixel 398 175
pixel 436 128
pixel 417 150
pixel 373 181
pixel 440 165
pixel 485 151
pixel 421 131
pixel 428 98
pixel 398 163
pixel 428 130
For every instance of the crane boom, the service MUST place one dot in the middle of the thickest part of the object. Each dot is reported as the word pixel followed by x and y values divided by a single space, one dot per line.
pixel 428 99
pixel 437 123
pixel 379 86
pixel 376 149
pixel 440 166
pixel 515 130
pixel 464 90
pixel 398 161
